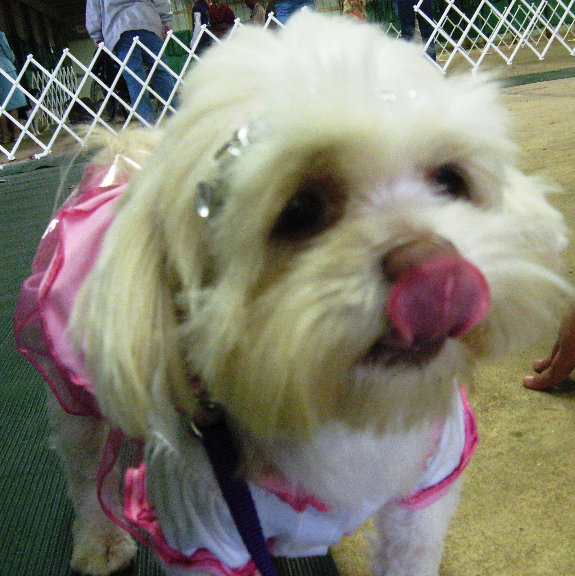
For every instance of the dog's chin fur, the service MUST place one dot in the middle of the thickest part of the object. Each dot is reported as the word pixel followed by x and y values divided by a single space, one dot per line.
pixel 287 327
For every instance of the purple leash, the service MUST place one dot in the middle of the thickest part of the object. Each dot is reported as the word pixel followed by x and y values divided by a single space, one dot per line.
pixel 211 422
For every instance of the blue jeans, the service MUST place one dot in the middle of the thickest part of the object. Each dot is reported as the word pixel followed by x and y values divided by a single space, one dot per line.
pixel 406 15
pixel 140 61
pixel 283 10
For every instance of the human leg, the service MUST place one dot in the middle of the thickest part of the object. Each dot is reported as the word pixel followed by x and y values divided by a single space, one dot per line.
pixel 425 27
pixel 135 74
pixel 283 10
pixel 162 81
pixel 15 127
pixel 4 129
pixel 406 15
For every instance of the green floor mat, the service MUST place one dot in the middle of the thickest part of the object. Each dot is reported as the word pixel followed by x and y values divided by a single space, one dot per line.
pixel 35 516
pixel 536 77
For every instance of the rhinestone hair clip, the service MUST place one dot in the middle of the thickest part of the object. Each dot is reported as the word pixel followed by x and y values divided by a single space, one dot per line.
pixel 210 194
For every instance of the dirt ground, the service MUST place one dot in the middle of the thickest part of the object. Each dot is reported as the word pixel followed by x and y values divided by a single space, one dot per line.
pixel 517 514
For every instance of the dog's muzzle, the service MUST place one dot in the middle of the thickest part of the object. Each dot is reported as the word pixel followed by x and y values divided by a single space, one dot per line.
pixel 436 294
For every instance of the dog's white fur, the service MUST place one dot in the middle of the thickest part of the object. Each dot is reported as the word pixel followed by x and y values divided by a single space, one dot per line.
pixel 279 328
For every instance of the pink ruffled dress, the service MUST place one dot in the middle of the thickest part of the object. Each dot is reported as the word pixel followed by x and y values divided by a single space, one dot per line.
pixel 68 250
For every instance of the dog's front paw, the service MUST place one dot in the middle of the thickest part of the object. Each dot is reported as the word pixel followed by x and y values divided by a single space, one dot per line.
pixel 101 549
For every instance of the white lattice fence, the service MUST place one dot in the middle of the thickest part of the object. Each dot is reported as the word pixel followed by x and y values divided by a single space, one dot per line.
pixel 522 24
pixel 58 109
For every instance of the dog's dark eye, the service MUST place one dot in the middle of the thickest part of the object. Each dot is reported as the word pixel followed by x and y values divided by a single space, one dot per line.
pixel 315 206
pixel 452 181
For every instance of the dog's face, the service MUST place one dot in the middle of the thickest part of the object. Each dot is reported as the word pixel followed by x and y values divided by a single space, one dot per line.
pixel 359 240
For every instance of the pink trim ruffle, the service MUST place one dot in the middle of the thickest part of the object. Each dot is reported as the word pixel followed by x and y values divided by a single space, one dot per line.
pixel 67 252
pixel 139 511
pixel 428 496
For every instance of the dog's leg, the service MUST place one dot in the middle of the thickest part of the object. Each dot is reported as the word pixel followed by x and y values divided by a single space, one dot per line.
pixel 410 542
pixel 100 546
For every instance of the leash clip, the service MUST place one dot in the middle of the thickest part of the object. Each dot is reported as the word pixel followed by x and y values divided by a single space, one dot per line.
pixel 207 414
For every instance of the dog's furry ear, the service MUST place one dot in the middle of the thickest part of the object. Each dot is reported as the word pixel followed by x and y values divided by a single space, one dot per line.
pixel 528 195
pixel 534 234
pixel 125 318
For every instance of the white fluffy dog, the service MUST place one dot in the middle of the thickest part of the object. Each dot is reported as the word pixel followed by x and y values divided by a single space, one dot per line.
pixel 323 241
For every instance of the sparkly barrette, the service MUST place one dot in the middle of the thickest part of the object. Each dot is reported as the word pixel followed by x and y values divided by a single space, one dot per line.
pixel 210 194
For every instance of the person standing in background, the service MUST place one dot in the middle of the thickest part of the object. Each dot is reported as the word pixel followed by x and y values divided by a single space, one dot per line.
pixel 201 17
pixel 406 13
pixel 258 12
pixel 355 9
pixel 286 8
pixel 17 100
pixel 222 18
pixel 117 23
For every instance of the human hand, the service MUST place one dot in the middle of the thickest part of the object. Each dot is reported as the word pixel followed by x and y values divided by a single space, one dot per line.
pixel 165 30
pixel 555 368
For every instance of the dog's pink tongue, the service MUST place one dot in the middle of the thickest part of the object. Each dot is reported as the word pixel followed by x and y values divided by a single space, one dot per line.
pixel 439 298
